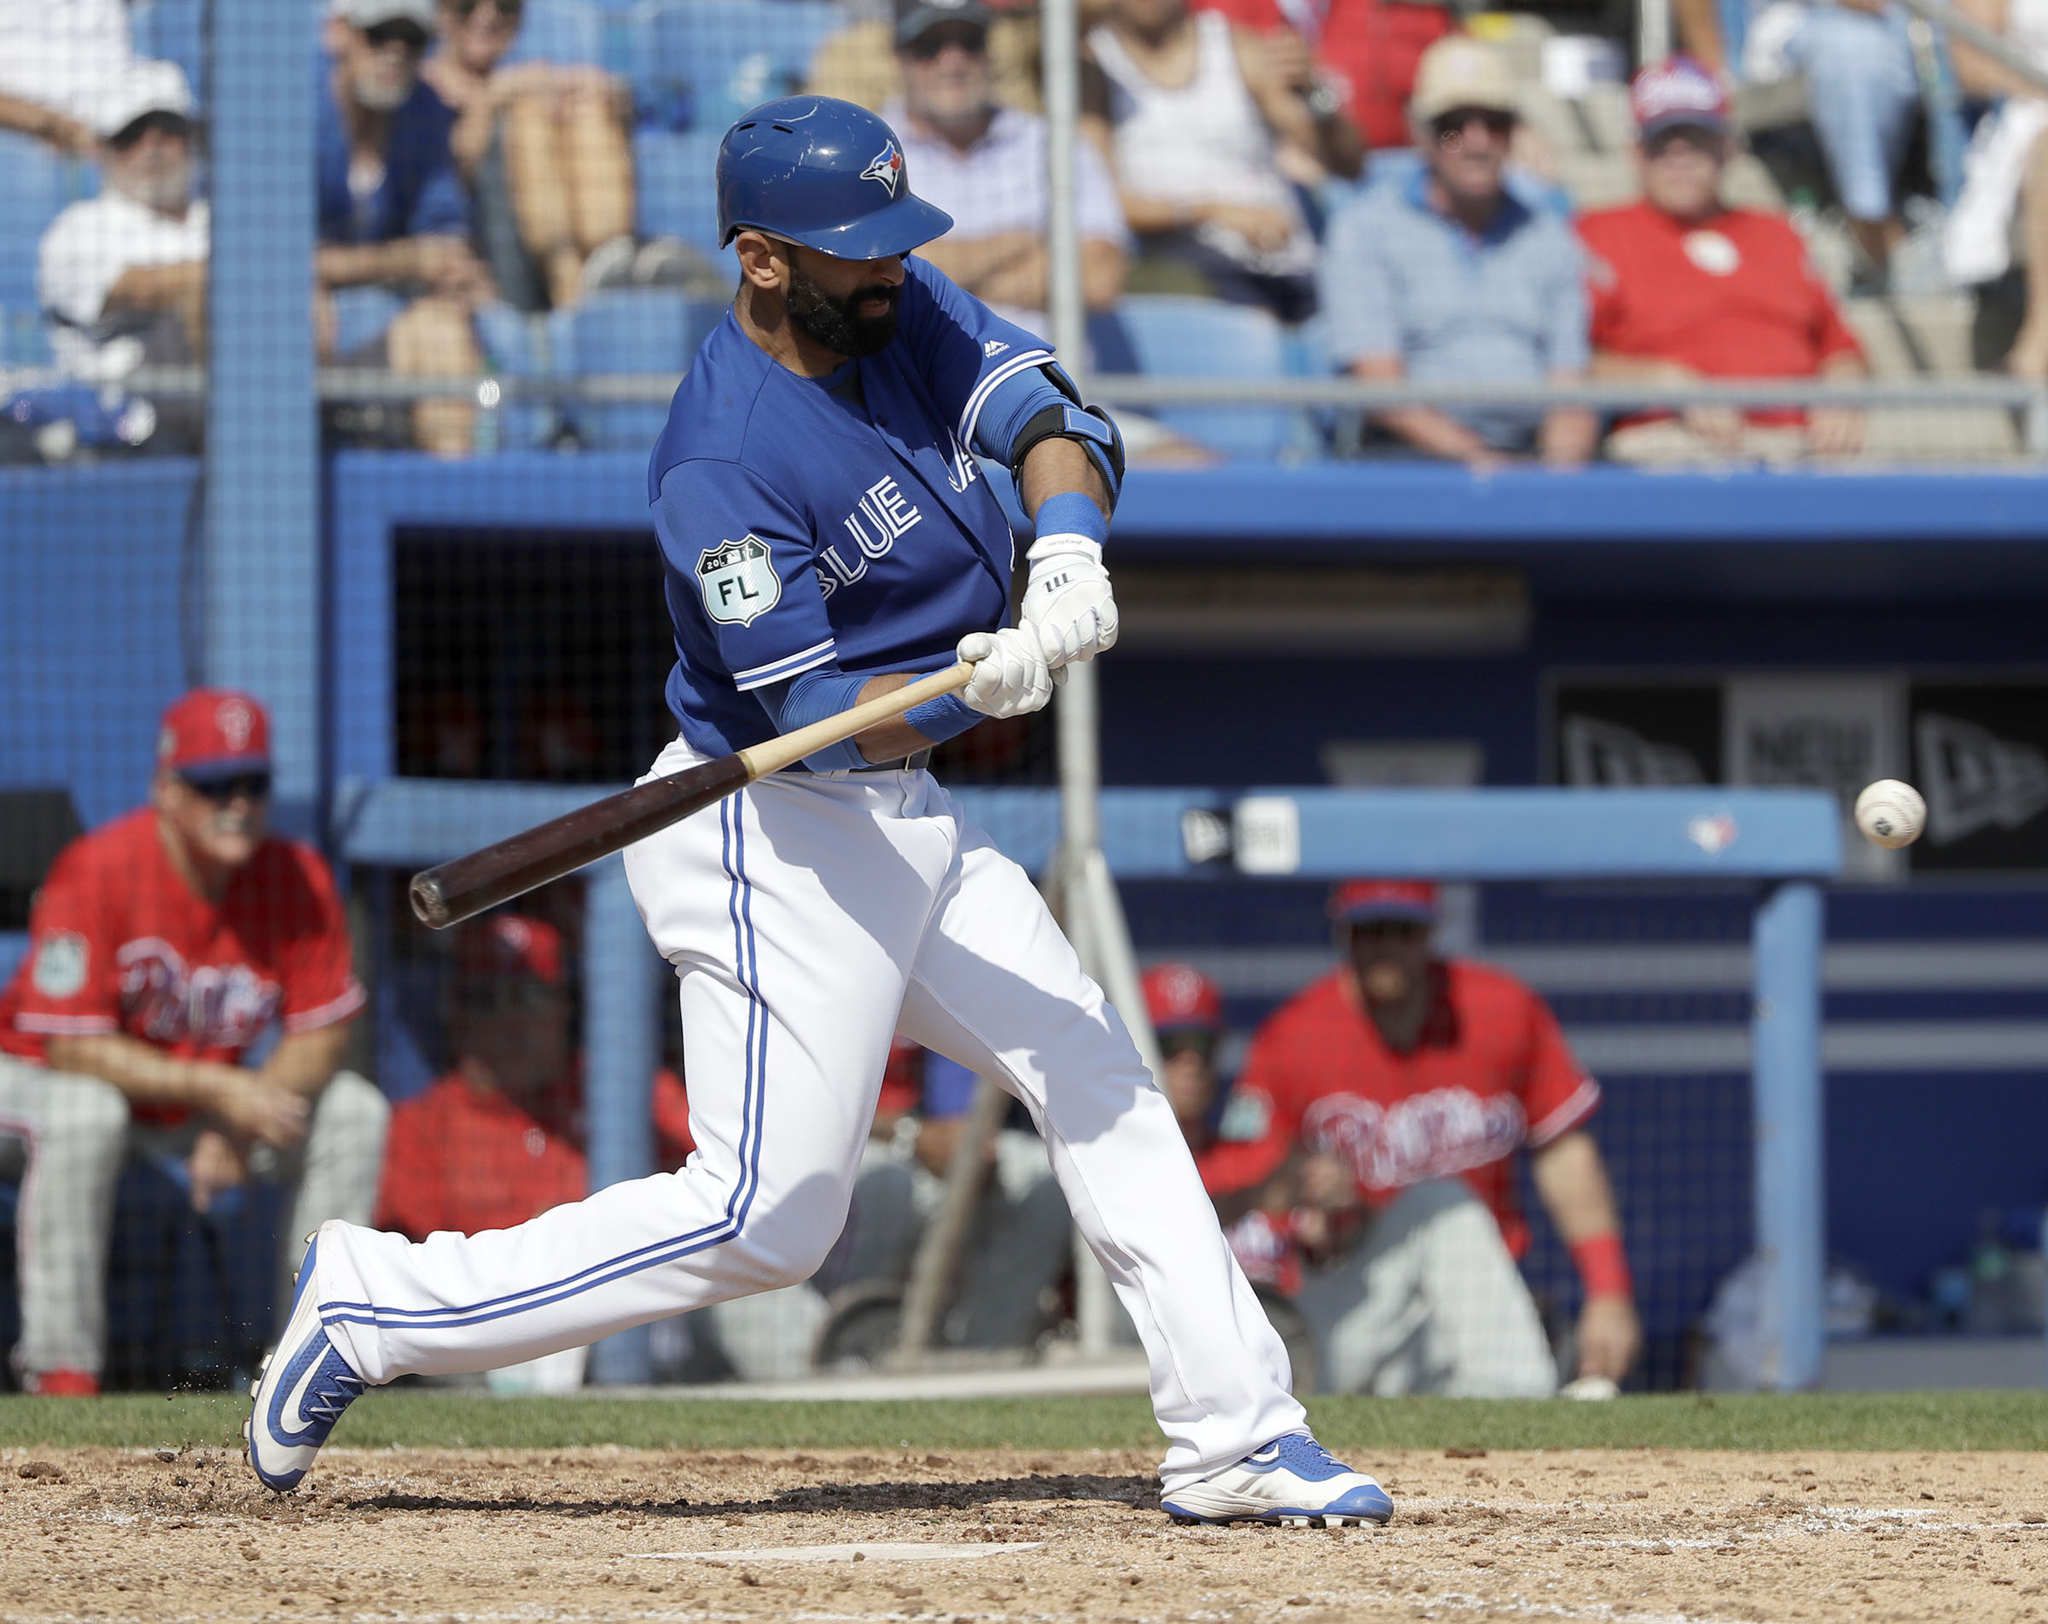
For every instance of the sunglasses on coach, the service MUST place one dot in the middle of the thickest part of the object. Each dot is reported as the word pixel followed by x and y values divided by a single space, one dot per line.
pixel 934 40
pixel 223 790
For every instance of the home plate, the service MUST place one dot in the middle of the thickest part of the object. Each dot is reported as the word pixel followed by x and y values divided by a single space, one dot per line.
pixel 883 1551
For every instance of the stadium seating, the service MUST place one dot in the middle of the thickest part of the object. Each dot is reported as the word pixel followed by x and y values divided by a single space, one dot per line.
pixel 515 346
pixel 1202 338
pixel 701 63
pixel 673 173
pixel 568 31
pixel 628 331
pixel 34 184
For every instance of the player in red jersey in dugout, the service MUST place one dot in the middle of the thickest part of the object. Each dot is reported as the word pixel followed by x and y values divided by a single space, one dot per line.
pixel 1386 1102
pixel 162 946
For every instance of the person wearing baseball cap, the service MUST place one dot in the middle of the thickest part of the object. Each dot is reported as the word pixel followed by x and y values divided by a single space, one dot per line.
pixel 121 277
pixel 392 214
pixel 162 946
pixel 1684 287
pixel 1394 1093
pixel 984 164
pixel 1448 277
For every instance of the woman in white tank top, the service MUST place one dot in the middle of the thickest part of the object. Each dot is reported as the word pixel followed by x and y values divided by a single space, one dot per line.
pixel 1196 157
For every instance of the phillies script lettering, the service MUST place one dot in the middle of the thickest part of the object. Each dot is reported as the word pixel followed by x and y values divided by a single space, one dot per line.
pixel 219 1006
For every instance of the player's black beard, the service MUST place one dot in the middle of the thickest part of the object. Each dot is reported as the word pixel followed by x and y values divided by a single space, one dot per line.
pixel 832 322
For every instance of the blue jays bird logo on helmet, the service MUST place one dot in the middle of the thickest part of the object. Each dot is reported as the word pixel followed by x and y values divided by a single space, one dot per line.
pixel 886 167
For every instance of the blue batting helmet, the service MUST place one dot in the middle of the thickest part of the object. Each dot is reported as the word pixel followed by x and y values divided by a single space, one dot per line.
pixel 823 173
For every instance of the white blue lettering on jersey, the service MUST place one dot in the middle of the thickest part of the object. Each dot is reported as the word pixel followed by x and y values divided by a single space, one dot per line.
pixel 805 526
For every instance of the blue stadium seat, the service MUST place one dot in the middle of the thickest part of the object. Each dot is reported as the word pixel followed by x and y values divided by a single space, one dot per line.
pixel 628 330
pixel 1174 336
pixel 174 30
pixel 35 183
pixel 571 31
pixel 672 173
pixel 702 63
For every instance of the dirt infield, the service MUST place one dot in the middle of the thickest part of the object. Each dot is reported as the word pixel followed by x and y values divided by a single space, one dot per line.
pixel 1618 1537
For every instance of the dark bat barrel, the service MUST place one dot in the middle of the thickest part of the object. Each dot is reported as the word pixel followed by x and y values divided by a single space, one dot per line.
pixel 465 886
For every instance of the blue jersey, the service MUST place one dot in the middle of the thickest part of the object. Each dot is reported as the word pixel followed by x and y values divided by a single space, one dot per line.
pixel 831 524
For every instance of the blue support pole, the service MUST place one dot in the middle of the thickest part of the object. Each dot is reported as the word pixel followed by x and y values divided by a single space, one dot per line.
pixel 621 1024
pixel 1790 1178
pixel 261 617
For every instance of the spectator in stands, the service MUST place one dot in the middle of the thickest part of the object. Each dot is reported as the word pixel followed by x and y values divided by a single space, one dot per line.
pixel 1862 92
pixel 1364 54
pixel 1684 287
pixel 860 63
pixel 55 65
pixel 984 164
pixel 2004 198
pixel 161 947
pixel 392 213
pixel 121 277
pixel 1391 1095
pixel 499 1137
pixel 1199 111
pixel 1449 278
pixel 543 148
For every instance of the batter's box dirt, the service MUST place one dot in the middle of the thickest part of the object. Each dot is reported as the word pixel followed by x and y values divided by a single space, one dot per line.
pixel 1611 1537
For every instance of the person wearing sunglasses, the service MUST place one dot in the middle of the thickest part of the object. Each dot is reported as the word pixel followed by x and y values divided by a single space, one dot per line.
pixel 398 279
pixel 1685 287
pixel 1449 277
pixel 162 947
pixel 121 277
pixel 984 164
pixel 543 148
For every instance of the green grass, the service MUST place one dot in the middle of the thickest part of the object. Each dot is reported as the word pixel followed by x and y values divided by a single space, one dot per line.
pixel 1921 1421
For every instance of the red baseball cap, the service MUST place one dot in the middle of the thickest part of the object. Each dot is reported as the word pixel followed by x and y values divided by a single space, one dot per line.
pixel 1357 900
pixel 511 944
pixel 1675 93
pixel 214 733
pixel 1179 998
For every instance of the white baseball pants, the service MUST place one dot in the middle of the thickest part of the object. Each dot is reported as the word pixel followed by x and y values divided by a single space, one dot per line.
pixel 806 917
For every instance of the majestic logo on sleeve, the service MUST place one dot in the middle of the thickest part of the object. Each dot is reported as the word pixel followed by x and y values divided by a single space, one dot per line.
pixel 885 168
pixel 738 581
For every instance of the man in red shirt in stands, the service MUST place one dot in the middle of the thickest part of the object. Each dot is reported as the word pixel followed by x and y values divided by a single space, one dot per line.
pixel 162 946
pixel 500 1137
pixel 1684 288
pixel 1392 1094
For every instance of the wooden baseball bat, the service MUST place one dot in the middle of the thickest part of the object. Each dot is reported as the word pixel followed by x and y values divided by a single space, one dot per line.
pixel 465 886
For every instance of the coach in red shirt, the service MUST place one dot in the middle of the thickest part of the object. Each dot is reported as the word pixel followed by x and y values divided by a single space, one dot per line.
pixel 1393 1094
pixel 1684 288
pixel 500 1137
pixel 161 946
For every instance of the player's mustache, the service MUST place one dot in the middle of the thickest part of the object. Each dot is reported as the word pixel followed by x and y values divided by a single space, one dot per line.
pixel 878 290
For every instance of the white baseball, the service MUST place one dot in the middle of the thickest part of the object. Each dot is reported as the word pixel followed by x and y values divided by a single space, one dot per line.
pixel 1891 814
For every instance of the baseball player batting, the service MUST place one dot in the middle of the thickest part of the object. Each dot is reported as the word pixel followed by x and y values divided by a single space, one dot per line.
pixel 826 537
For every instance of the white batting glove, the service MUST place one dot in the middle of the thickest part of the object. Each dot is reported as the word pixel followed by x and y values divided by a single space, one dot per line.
pixel 1010 673
pixel 1067 599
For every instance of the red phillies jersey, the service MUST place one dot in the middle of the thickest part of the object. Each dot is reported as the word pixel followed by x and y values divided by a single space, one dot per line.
pixel 119 942
pixel 464 1157
pixel 1735 297
pixel 1491 1073
pixel 1374 46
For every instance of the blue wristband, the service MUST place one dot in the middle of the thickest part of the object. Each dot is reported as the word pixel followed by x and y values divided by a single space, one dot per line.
pixel 1071 513
pixel 943 718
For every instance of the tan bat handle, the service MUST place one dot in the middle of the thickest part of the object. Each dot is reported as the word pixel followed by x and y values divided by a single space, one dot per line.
pixel 785 749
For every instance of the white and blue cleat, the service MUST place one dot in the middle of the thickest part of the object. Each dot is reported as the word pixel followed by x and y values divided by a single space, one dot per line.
pixel 300 1392
pixel 1292 1480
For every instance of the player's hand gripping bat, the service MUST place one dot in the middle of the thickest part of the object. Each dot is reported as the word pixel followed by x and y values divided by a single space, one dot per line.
pixel 466 886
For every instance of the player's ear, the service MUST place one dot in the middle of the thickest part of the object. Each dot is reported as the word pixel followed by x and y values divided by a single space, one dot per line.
pixel 763 262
